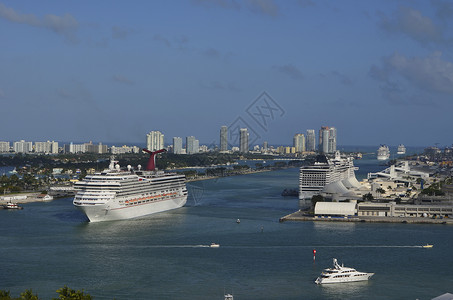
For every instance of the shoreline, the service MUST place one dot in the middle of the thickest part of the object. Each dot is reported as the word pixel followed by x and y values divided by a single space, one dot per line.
pixel 300 216
pixel 216 177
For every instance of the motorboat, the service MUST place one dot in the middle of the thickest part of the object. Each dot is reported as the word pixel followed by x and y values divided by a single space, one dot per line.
pixel 11 205
pixel 340 274
pixel 214 245
pixel 427 246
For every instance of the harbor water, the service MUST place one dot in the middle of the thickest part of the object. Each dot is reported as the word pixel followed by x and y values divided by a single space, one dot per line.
pixel 167 256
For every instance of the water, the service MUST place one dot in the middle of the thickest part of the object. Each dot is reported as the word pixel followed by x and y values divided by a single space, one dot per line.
pixel 166 256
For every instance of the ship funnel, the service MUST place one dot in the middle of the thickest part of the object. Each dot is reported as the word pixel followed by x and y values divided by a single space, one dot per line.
pixel 152 158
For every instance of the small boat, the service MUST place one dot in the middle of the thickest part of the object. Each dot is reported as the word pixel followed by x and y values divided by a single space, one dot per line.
pixel 340 274
pixel 45 197
pixel 228 297
pixel 214 245
pixel 238 221
pixel 11 205
pixel 427 246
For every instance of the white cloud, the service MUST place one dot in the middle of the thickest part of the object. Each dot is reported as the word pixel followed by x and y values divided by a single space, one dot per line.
pixel 121 33
pixel 290 70
pixel 122 79
pixel 412 23
pixel 431 73
pixel 162 39
pixel 403 77
pixel 65 25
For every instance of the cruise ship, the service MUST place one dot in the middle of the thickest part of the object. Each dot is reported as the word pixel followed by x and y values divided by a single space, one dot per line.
pixel 401 149
pixel 332 176
pixel 383 152
pixel 116 194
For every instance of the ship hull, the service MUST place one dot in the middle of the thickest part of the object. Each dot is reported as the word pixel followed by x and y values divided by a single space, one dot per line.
pixel 110 211
pixel 366 277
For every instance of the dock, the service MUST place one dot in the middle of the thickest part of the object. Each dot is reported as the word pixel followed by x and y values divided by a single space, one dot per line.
pixel 301 216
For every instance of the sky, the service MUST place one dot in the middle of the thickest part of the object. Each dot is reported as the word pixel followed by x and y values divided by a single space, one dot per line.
pixel 380 72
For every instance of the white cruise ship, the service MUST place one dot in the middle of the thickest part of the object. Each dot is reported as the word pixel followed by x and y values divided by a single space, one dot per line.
pixel 116 194
pixel 333 176
pixel 383 152
pixel 339 274
pixel 401 149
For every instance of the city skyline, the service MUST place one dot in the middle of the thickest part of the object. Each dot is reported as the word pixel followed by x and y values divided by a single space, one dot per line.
pixel 382 71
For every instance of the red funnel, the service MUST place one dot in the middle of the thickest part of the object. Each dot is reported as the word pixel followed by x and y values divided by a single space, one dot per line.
pixel 152 159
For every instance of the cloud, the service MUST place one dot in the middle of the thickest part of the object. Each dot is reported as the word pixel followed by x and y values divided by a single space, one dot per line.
pixel 400 75
pixel 65 25
pixel 164 40
pixel 181 41
pixel 290 70
pixel 265 7
pixel 345 80
pixel 444 9
pixel 412 23
pixel 211 53
pixel 121 33
pixel 122 79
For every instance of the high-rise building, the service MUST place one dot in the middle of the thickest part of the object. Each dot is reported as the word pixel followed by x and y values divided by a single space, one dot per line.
pixel 223 138
pixel 299 142
pixel 265 145
pixel 332 140
pixel 4 147
pixel 327 139
pixel 46 147
pixel 310 140
pixel 323 139
pixel 243 140
pixel 192 145
pixel 22 147
pixel 177 145
pixel 154 140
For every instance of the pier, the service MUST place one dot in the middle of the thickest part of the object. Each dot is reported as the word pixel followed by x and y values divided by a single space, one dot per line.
pixel 303 216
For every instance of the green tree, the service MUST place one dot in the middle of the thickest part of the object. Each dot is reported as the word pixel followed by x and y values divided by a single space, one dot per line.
pixel 66 293
pixel 316 198
pixel 380 190
pixel 28 295
pixel 368 197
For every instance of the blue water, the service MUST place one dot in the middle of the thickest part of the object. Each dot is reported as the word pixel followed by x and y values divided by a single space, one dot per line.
pixel 164 256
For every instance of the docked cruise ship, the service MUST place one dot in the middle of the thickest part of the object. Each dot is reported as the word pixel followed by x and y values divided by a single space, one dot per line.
pixel 115 194
pixel 401 149
pixel 383 152
pixel 332 176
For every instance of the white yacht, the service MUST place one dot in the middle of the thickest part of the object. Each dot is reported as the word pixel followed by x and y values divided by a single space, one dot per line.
pixel 383 152
pixel 116 194
pixel 339 274
pixel 401 149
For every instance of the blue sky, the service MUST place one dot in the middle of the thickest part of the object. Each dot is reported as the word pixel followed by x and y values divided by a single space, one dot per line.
pixel 381 72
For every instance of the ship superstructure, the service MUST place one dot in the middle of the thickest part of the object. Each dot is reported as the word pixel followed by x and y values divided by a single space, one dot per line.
pixel 383 152
pixel 401 149
pixel 331 175
pixel 115 194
